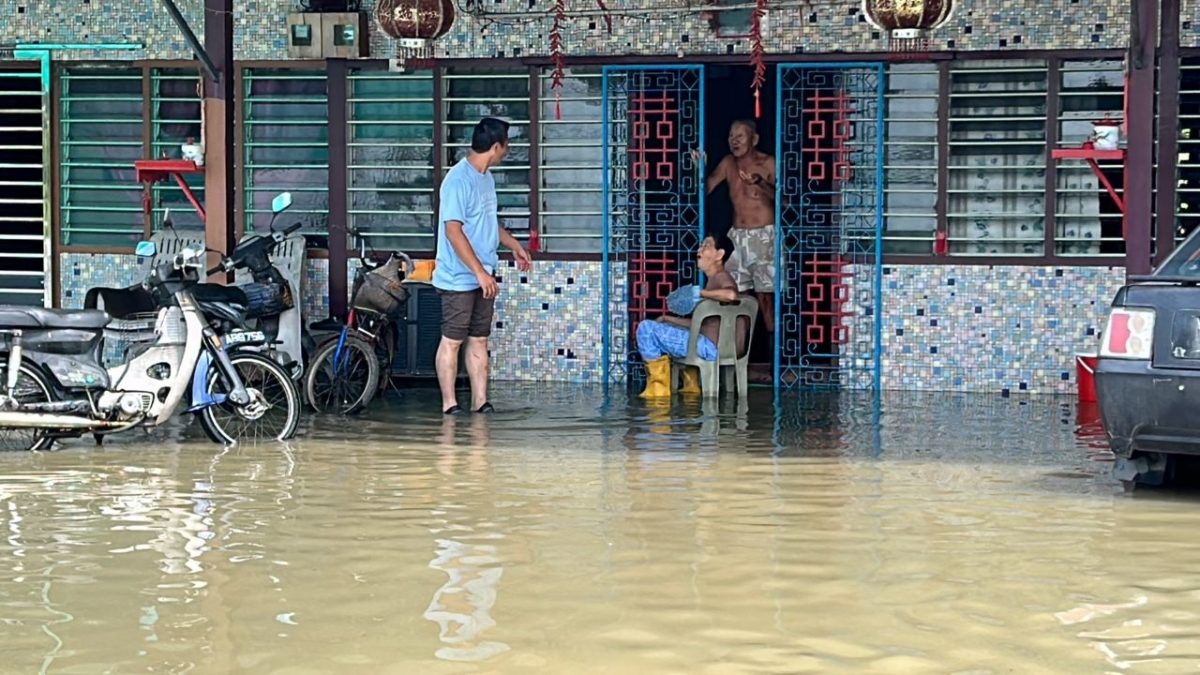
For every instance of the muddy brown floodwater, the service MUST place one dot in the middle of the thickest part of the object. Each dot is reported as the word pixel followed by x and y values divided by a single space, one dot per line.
pixel 578 533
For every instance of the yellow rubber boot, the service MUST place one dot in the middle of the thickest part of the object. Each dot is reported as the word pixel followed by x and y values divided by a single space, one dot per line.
pixel 691 381
pixel 658 378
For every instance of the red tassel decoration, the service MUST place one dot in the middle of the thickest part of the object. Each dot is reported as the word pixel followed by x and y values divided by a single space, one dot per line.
pixel 607 19
pixel 756 55
pixel 556 52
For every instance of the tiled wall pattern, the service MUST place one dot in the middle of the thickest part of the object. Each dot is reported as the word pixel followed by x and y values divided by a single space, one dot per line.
pixel 981 328
pixel 548 323
pixel 945 327
pixel 1189 23
pixel 518 28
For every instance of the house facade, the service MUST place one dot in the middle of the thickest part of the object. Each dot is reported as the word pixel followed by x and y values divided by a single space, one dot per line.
pixel 929 237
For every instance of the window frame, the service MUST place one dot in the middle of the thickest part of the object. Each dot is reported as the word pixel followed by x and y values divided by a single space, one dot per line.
pixel 147 69
pixel 536 68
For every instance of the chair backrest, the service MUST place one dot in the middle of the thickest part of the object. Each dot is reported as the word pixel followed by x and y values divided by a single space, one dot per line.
pixel 729 314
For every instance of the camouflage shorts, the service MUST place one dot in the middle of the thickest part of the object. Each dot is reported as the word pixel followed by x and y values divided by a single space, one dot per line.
pixel 752 264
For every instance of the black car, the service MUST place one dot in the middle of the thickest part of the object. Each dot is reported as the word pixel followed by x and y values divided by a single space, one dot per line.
pixel 1148 373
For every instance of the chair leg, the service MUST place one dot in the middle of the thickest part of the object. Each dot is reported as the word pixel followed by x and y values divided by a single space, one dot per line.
pixel 728 379
pixel 743 380
pixel 710 380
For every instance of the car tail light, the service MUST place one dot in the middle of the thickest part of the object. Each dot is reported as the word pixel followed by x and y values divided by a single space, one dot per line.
pixel 1129 334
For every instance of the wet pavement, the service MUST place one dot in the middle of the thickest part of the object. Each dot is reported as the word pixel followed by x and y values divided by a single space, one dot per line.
pixel 574 532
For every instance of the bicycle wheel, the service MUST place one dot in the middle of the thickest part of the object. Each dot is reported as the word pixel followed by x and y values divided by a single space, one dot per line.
pixel 32 387
pixel 347 386
pixel 273 412
pixel 386 354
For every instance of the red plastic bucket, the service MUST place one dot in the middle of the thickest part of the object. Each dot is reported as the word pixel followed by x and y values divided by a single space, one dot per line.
pixel 1085 377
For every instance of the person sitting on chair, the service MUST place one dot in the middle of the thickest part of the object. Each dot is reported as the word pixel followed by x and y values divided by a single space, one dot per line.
pixel 659 341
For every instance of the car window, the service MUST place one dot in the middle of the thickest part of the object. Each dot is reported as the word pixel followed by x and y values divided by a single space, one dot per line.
pixel 1184 261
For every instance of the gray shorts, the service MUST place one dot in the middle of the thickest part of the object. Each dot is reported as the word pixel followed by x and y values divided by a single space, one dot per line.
pixel 466 314
pixel 752 264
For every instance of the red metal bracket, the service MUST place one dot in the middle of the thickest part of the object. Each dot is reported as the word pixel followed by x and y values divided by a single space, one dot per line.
pixel 1091 155
pixel 151 171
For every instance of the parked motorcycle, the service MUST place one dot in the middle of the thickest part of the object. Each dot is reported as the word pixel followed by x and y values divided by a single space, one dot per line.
pixel 274 301
pixel 55 387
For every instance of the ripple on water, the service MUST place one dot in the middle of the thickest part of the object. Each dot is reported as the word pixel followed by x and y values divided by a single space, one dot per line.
pixel 574 532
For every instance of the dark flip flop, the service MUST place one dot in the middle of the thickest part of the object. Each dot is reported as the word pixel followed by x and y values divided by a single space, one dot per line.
pixel 453 410
pixel 486 408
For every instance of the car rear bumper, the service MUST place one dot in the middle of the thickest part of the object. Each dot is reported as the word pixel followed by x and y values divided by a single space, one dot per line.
pixel 1149 409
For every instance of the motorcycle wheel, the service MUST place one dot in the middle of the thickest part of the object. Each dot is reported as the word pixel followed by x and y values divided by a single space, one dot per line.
pixel 345 390
pixel 32 387
pixel 273 413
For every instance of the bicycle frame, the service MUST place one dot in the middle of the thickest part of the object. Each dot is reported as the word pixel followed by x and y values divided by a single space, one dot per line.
pixel 341 355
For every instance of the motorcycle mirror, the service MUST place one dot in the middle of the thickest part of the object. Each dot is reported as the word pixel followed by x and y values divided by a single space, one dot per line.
pixel 281 202
pixel 166 222
pixel 145 249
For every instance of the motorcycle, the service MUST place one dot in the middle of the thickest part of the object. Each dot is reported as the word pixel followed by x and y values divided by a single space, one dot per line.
pixel 274 301
pixel 274 305
pixel 55 387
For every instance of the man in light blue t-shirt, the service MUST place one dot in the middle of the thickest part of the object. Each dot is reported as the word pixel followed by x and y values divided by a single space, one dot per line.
pixel 469 233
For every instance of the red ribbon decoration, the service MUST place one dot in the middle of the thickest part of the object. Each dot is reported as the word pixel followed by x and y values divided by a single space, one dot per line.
pixel 756 55
pixel 556 52
pixel 607 19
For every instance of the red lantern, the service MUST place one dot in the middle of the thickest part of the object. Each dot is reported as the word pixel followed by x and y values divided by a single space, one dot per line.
pixel 907 22
pixel 415 24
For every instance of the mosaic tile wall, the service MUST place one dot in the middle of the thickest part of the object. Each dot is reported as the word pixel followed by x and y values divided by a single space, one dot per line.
pixel 1189 23
pixel 1003 330
pixel 943 328
pixel 547 324
pixel 791 27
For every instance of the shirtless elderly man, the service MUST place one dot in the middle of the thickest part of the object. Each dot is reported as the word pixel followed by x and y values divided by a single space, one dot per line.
pixel 751 177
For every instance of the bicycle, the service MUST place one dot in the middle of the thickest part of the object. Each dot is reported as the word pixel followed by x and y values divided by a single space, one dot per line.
pixel 345 372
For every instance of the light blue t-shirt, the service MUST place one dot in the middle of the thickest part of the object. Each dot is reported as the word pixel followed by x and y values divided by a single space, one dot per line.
pixel 470 198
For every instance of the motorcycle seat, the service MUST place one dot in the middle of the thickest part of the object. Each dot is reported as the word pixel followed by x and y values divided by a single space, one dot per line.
pixel 41 317
pixel 217 293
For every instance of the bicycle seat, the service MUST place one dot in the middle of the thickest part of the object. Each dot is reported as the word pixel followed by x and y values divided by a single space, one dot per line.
pixel 41 317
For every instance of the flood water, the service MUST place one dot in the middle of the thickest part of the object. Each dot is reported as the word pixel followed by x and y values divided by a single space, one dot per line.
pixel 573 533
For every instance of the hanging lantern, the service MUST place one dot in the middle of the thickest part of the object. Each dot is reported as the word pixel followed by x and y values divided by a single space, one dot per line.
pixel 907 22
pixel 415 24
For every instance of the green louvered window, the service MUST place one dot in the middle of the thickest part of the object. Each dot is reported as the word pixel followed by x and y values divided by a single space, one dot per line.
pixel 175 119
pixel 473 94
pixel 286 147
pixel 571 175
pixel 390 159
pixel 101 126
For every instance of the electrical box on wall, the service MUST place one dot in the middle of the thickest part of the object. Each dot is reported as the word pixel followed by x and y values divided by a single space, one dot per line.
pixel 345 35
pixel 328 35
pixel 304 35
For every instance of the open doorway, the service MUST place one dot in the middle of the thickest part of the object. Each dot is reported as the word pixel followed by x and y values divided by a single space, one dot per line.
pixel 23 275
pixel 728 98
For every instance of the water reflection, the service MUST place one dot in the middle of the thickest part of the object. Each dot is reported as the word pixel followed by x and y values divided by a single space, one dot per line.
pixel 574 532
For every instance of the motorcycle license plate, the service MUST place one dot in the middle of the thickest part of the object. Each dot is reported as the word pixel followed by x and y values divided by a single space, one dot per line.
pixel 243 337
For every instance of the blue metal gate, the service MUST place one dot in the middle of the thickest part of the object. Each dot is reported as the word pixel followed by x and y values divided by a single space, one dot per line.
pixel 653 200
pixel 829 211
